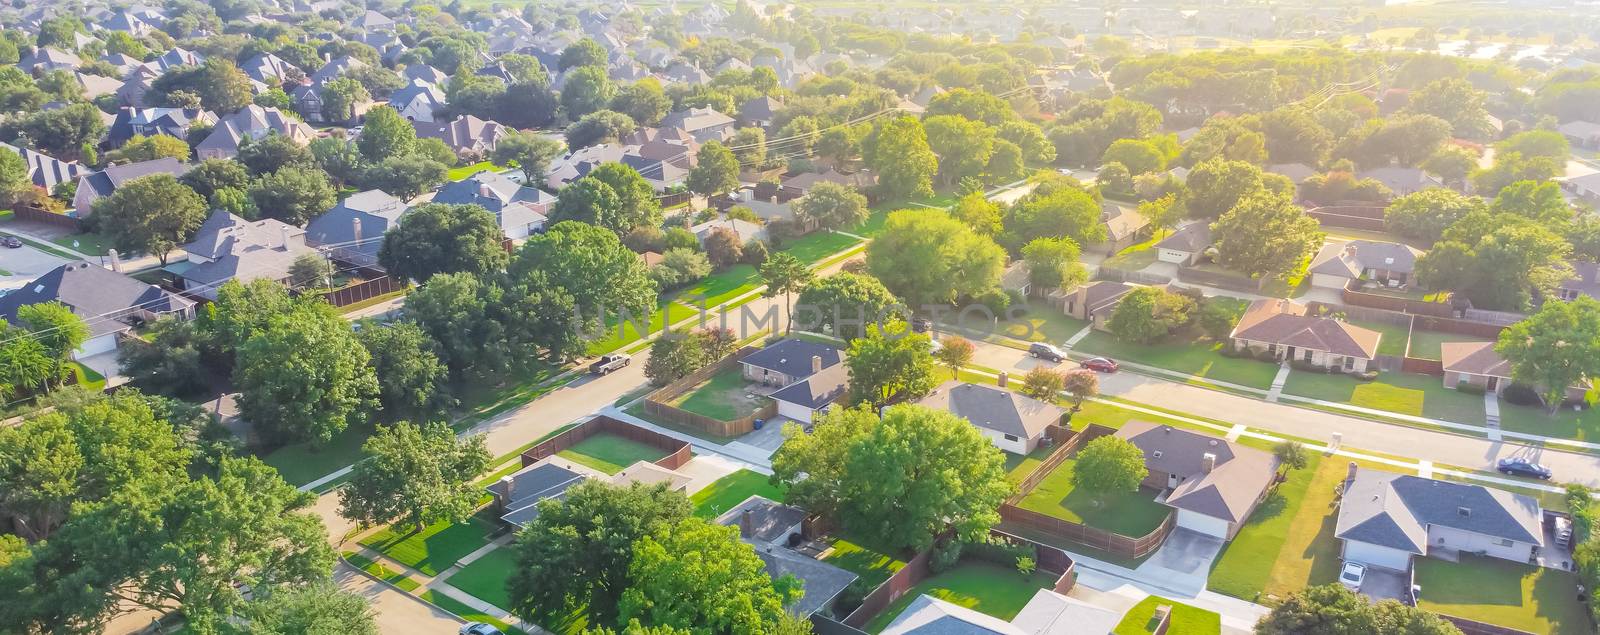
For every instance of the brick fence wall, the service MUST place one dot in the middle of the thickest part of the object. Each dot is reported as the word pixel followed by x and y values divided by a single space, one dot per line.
pixel 658 404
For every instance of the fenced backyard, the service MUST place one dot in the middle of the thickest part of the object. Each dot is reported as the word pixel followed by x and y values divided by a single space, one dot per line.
pixel 682 403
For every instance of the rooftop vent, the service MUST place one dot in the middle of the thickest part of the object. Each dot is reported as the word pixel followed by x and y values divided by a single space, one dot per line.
pixel 1463 512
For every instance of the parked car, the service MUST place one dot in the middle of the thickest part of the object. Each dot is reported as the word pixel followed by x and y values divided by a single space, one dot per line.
pixel 1518 466
pixel 12 242
pixel 1042 350
pixel 1100 365
pixel 479 628
pixel 1352 575
pixel 921 325
pixel 608 363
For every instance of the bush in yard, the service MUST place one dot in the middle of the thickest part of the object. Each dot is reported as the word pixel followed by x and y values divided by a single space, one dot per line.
pixel 1216 320
pixel 1522 395
pixel 1044 384
pixel 672 357
pixel 1470 388
pixel 1291 454
pixel 1081 384
pixel 680 267
pixel 1109 465
pixel 1148 314
pixel 945 556
pixel 1026 565
pixel 1332 609
pixel 997 550
pixel 1368 375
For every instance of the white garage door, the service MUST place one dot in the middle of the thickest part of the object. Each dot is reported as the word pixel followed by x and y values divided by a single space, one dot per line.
pixel 95 346
pixel 1377 555
pixel 794 411
pixel 1328 281
pixel 1203 523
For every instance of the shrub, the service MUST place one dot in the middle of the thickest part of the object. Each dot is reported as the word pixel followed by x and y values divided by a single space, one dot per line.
pixel 1229 352
pixel 1366 375
pixel 851 597
pixel 998 551
pixel 996 299
pixel 1266 356
pixel 1522 395
pixel 1471 389
pixel 945 556
pixel 1026 565
pixel 1303 365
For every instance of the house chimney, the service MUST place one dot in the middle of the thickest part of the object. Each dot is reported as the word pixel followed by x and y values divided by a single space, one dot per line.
pixel 1350 473
pixel 355 229
pixel 285 232
pixel 816 364
pixel 507 484
pixel 1001 380
pixel 116 260
pixel 1208 462
pixel 747 523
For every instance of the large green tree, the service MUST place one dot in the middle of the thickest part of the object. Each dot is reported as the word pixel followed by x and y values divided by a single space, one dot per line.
pixel 963 146
pixel 926 257
pixel 436 238
pixel 1556 348
pixel 697 575
pixel 305 378
pixel 1147 314
pixel 1426 214
pixel 1214 187
pixel 531 151
pixel 1053 212
pixel 832 206
pixel 1109 465
pixel 1053 263
pixel 412 380
pixel 845 303
pixel 317 609
pixel 586 90
pixel 415 476
pixel 152 214
pixel 716 170
pixel 904 161
pixel 783 274
pixel 1332 609
pixel 1265 235
pixel 460 312
pixel 60 331
pixel 888 365
pixel 566 278
pixel 385 134
pixel 293 195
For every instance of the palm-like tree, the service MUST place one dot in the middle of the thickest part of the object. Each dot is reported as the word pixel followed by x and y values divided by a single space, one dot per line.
pixel 785 274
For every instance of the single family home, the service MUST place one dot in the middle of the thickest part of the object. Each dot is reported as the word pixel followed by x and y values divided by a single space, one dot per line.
pixel 1388 264
pixel 1477 364
pixel 252 123
pixel 1213 483
pixel 97 185
pixel 1185 246
pixel 788 361
pixel 1285 330
pixel 1012 422
pixel 227 247
pixel 1386 518
pixel 774 529
pixel 111 304
pixel 521 210
pixel 353 230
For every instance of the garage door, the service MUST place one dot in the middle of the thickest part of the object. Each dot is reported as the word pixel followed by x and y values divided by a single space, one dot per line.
pixel 1202 523
pixel 794 411
pixel 96 346
pixel 1377 555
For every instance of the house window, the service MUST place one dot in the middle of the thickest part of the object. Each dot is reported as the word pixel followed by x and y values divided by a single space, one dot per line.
pixel 1349 363
pixel 1307 356
pixel 1272 349
pixel 1011 437
pixel 1504 542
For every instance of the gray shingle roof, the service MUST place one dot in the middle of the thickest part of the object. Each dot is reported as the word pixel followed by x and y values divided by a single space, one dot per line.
pixel 90 291
pixel 1350 259
pixel 1228 491
pixel 818 390
pixel 792 357
pixel 1395 510
pixel 991 408
pixel 1191 238
pixel 530 485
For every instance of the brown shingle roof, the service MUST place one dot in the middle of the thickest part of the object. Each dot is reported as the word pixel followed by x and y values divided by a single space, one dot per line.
pixel 1281 322
pixel 1237 478
pixel 1474 358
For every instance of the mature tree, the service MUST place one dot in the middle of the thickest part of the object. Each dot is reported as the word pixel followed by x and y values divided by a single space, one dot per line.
pixel 927 257
pixel 716 170
pixel 406 176
pixel 293 195
pixel 1139 157
pixel 1036 148
pixel 152 214
pixel 723 248
pixel 1081 384
pixel 955 352
pixel 1497 261
pixel 141 148
pixel 845 303
pixel 832 206
pixel 531 151
pixel 1265 235
pixel 1109 465
pixel 783 274
pixel 305 378
pixel 310 270
pixel 1333 609
pixel 812 464
pixel 340 96
pixel 1053 212
pixel 219 85
pixel 1511 167
pixel 963 146
pixel 696 574
pixel 673 356
pixel 1044 383
pixel 679 267
pixel 1292 455
pixel 243 309
pixel 64 133
pixel 644 101
pixel 414 476
pixel 411 377
pixel 385 134
pixel 1148 314
pixel 800 133
pixel 210 175
pixel 272 153
pixel 1457 102
pixel 1541 202
pixel 1295 136
pixel 318 609
pixel 636 201
pixel 575 555
pixel 1424 215
pixel 166 360
pixel 584 52
pixel 600 126
pixel 1053 263
pixel 1452 164
pixel 1556 348
pixel 978 212
pixel 587 200
pixel 454 309
pixel 1216 186
pixel 905 162
pixel 55 327
pixel 749 146
pixel 436 238
pixel 586 90
pixel 1537 143
pixel 567 279
pixel 888 365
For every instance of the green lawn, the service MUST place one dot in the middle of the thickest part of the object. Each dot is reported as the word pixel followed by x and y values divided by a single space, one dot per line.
pixel 719 287
pixel 987 588
pixel 468 613
pixel 1394 336
pixel 627 332
pixel 434 548
pixel 610 453
pixel 725 397
pixel 88 377
pixel 457 174
pixel 1019 466
pixel 1580 425
pixel 818 245
pixel 91 244
pixel 302 463
pixel 1135 257
pixel 1194 358
pixel 731 490
pixel 1405 393
pixel 1425 344
pixel 1131 514
pixel 1040 323
pixel 1288 543
pixel 378 570
pixel 1503 593
pixel 485 578
pixel 872 565
pixel 1184 619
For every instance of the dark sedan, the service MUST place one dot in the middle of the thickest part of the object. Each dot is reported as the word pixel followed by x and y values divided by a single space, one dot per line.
pixel 1517 466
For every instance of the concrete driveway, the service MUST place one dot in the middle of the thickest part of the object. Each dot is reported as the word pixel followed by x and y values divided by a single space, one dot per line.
pixel 1184 561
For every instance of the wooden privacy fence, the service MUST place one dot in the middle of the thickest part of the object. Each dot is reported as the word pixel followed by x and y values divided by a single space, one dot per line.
pixel 1219 279
pixel 1363 217
pixel 678 451
pixel 52 219
pixel 1458 327
pixel 658 404
pixel 1068 444
pixel 1393 303
pixel 1470 627
pixel 362 291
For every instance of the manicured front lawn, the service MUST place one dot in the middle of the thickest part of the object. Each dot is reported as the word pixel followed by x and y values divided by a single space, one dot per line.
pixel 1135 257
pixel 1566 423
pixel 1426 344
pixel 610 453
pixel 1131 514
pixel 872 565
pixel 731 490
pixel 620 333
pixel 91 244
pixel 1405 393
pixel 378 570
pixel 987 588
pixel 1288 543
pixel 487 395
pixel 1040 323
pixel 485 578
pixel 1394 336
pixel 818 245
pixel 719 287
pixel 1190 357
pixel 468 613
pixel 1185 619
pixel 456 174
pixel 434 548
pixel 1503 593
pixel 302 463
pixel 724 397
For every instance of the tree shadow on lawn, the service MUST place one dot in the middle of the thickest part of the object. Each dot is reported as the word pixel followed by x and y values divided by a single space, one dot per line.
pixel 1134 514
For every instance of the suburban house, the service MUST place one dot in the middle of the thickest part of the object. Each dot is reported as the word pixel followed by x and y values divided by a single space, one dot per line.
pixel 1093 302
pixel 227 247
pixel 1047 613
pixel 353 230
pixel 801 184
pixel 517 495
pixel 251 123
pixel 1401 181
pixel 1388 264
pixel 760 112
pixel 96 185
pixel 804 399
pixel 48 58
pixel 1214 484
pixel 705 124
pixel 418 100
pixel 468 136
pixel 45 171
pixel 1284 329
pixel 1012 422
pixel 149 122
pixel 1585 280
pixel 788 361
pixel 774 529
pixel 1583 134
pixel 1125 227
pixel 1586 187
pixel 521 210
pixel 745 230
pixel 111 304
pixel 1185 246
pixel 1386 518
pixel 1477 364
pixel 1295 172
pixel 270 69
pixel 1017 277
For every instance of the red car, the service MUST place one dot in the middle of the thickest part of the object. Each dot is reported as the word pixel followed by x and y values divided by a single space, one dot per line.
pixel 1100 364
